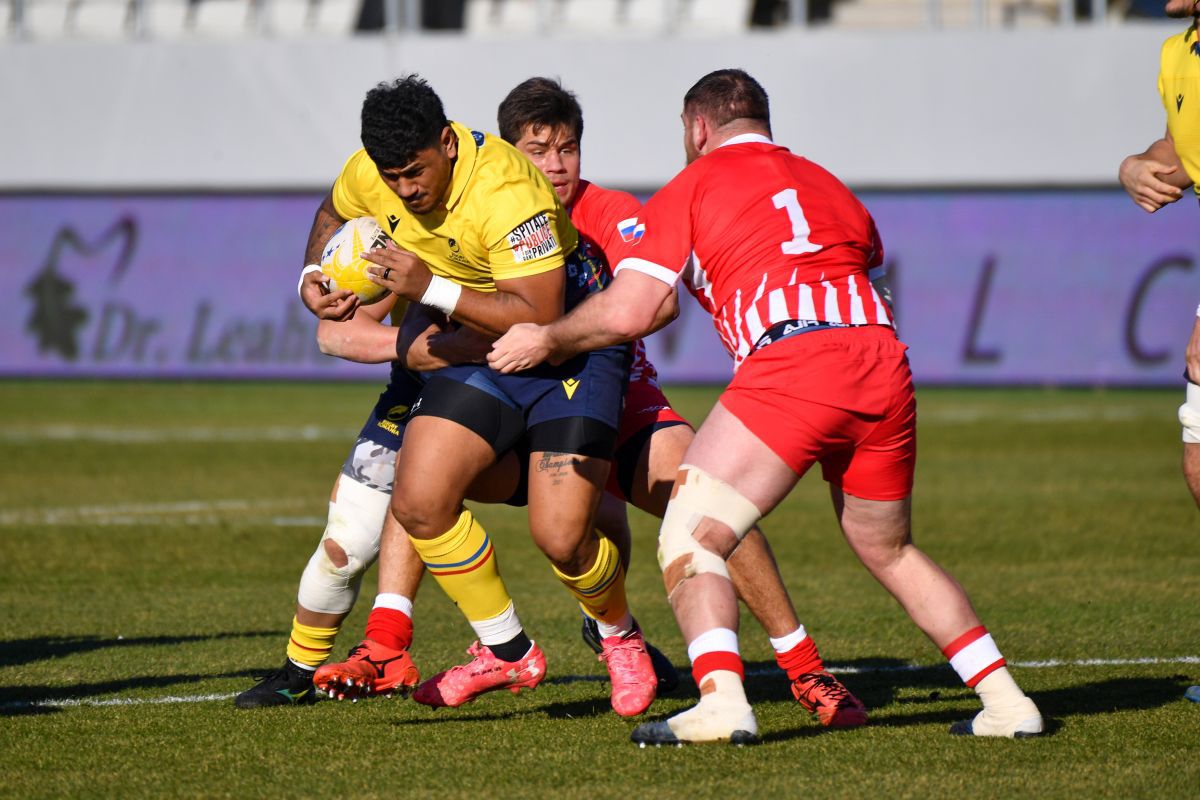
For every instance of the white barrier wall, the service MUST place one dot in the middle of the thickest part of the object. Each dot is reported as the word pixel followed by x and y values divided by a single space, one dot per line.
pixel 903 109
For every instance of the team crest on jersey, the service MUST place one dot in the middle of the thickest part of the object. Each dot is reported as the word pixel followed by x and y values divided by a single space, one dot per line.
pixel 631 230
pixel 532 239
pixel 478 137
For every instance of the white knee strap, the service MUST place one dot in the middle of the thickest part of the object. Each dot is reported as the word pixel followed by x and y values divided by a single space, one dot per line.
pixel 700 496
pixel 1189 415
pixel 355 524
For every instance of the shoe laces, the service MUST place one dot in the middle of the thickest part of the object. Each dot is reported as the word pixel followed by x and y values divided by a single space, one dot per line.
pixel 830 687
pixel 624 652
pixel 273 674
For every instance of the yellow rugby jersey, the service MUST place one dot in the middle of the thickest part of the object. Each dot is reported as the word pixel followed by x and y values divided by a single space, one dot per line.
pixel 1179 85
pixel 502 219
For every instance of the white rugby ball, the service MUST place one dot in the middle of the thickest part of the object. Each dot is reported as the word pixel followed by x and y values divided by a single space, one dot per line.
pixel 342 261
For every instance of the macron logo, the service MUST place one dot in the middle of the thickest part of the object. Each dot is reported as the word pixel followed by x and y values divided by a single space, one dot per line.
pixel 631 230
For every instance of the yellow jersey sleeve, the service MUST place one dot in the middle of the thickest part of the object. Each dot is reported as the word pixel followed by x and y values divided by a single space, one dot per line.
pixel 1179 87
pixel 355 186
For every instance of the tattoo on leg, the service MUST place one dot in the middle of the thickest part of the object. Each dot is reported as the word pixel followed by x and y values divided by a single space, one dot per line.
pixel 557 464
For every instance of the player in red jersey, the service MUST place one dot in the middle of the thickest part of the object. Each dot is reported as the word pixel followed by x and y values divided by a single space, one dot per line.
pixel 545 122
pixel 778 251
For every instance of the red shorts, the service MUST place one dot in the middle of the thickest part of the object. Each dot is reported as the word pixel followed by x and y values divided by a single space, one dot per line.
pixel 842 397
pixel 646 410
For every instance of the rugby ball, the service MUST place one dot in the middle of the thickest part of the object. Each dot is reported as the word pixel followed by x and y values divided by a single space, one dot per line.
pixel 342 263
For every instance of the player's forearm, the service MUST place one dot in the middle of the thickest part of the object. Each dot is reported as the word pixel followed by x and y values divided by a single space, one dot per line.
pixel 603 320
pixel 375 343
pixel 325 222
pixel 1163 152
pixel 493 313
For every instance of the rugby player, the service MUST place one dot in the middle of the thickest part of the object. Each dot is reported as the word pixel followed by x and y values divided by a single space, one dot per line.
pixel 487 243
pixel 778 251
pixel 1159 176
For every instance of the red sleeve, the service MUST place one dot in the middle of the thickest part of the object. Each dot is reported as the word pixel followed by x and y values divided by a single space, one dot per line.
pixel 659 241
pixel 619 208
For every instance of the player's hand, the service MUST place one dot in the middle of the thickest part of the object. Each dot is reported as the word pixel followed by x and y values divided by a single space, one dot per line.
pixel 460 346
pixel 1142 179
pixel 1193 354
pixel 397 269
pixel 524 346
pixel 324 304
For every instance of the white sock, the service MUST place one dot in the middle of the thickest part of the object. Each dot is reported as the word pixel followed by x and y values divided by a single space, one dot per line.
pixel 304 667
pixel 396 602
pixel 785 643
pixel 499 629
pixel 624 626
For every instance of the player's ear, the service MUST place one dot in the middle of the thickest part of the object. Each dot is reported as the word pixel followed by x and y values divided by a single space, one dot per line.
pixel 449 142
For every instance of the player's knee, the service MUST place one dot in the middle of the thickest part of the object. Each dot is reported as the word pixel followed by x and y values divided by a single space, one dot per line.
pixel 568 554
pixel 684 548
pixel 422 515
pixel 334 552
pixel 348 548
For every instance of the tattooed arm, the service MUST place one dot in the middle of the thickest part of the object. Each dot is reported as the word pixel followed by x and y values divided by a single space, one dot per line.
pixel 313 290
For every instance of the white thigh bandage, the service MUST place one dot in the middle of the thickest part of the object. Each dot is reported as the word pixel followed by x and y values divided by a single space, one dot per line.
pixel 1189 415
pixel 700 496
pixel 355 524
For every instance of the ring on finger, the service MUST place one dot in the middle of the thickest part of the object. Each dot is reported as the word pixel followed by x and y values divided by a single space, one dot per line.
pixel 386 271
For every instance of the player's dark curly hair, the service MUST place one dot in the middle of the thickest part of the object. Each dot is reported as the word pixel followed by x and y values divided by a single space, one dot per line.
pixel 538 102
pixel 727 95
pixel 399 119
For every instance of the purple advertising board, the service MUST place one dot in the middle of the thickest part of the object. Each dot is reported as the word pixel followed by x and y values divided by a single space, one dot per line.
pixel 1029 287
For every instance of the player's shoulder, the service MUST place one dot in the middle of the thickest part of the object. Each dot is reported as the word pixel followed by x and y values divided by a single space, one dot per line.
pixel 359 166
pixel 496 158
pixel 1180 44
pixel 596 200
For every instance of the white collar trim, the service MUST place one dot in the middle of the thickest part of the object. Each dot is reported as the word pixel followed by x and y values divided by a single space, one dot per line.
pixel 746 138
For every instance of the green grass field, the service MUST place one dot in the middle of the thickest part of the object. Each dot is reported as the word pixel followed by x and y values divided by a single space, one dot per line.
pixel 153 534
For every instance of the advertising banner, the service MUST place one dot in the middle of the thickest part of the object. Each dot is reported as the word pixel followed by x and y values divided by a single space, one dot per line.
pixel 1045 287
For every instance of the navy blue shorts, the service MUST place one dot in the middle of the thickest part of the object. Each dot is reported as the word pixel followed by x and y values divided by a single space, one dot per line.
pixel 386 423
pixel 591 385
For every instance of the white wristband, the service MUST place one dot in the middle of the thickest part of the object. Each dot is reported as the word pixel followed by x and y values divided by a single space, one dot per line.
pixel 305 271
pixel 442 294
pixel 1198 311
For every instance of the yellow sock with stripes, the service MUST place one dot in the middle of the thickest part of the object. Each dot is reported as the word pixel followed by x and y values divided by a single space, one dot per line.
pixel 310 646
pixel 464 564
pixel 601 590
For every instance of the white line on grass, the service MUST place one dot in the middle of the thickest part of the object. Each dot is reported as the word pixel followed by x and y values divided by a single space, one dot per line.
pixel 191 512
pixel 122 435
pixel 965 414
pixel 843 669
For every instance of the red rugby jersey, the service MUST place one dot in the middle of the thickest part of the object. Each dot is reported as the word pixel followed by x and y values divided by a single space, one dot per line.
pixel 761 236
pixel 599 215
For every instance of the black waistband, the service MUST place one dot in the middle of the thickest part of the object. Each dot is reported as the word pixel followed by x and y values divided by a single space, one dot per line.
pixel 794 327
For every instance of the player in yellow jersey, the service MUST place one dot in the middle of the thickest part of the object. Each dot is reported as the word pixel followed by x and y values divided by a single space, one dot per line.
pixel 1159 176
pixel 479 235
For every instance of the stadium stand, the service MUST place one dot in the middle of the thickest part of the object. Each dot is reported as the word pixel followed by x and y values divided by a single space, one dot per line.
pixel 233 19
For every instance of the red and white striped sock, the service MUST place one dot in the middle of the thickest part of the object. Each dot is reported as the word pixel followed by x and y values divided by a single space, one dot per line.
pixel 715 650
pixel 974 655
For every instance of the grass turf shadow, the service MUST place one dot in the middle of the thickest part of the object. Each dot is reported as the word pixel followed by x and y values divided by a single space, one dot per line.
pixel 16 652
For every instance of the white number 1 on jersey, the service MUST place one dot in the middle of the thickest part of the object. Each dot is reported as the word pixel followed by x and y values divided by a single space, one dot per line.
pixel 799 245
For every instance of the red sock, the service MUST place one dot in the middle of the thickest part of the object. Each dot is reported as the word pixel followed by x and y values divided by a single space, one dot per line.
pixel 391 628
pixel 801 659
